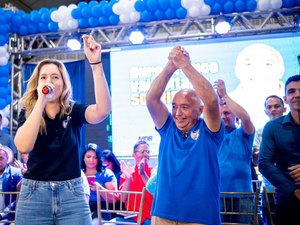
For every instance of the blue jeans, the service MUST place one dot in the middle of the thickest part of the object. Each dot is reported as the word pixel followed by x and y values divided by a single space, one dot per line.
pixel 48 203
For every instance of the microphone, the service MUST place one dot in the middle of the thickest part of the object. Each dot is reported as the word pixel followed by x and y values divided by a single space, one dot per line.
pixel 47 90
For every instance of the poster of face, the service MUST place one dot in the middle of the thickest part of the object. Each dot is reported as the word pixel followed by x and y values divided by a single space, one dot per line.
pixel 251 68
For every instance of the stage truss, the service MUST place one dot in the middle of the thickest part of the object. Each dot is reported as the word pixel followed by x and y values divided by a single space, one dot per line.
pixel 242 24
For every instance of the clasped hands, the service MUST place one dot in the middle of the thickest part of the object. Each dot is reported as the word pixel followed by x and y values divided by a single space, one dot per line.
pixel 179 57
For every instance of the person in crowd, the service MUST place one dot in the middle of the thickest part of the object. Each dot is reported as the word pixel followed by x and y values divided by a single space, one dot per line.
pixel 274 108
pixel 236 151
pixel 254 71
pixel 188 176
pixel 49 128
pixel 279 156
pixel 111 162
pixel 91 165
pixel 10 177
pixel 7 140
pixel 135 179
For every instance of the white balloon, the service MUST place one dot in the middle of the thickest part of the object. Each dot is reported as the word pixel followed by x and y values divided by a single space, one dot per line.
pixel 187 3
pixel 62 8
pixel 6 111
pixel 54 16
pixel 124 18
pixel 72 6
pixel 5 122
pixel 135 17
pixel 3 61
pixel 276 4
pixel 205 10
pixel 263 5
pixel 116 8
pixel 2 51
pixel 7 55
pixel 63 25
pixel 72 24
pixel 193 12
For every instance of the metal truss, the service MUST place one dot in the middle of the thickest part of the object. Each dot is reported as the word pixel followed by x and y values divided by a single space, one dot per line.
pixel 243 24
pixel 247 23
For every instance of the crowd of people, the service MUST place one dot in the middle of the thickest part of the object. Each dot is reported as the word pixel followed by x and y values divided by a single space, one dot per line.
pixel 208 144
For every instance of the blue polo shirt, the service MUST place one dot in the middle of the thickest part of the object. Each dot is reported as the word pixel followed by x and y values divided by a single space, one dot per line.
pixel 234 159
pixel 188 174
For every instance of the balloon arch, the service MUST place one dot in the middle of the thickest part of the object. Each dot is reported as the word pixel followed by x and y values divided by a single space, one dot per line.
pixel 17 26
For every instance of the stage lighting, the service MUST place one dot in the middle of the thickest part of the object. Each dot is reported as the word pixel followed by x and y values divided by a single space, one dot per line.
pixel 73 44
pixel 222 26
pixel 136 37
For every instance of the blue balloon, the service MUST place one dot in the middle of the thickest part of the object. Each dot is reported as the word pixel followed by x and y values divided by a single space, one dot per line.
pixel 16 20
pixel 3 102
pixel 43 28
pixel 8 99
pixel 76 13
pixel 221 1
pixel 45 17
pixel 228 7
pixel 35 17
pixel 82 4
pixel 3 82
pixel 92 3
pixel 20 12
pixel 86 12
pixel 181 13
pixel 3 19
pixel 114 19
pixel 239 6
pixel 43 10
pixel 26 18
pixel 146 16
pixel 96 11
pixel 107 10
pixel 175 4
pixel 151 5
pixel 5 29
pixel 251 5
pixel 159 15
pixel 163 4
pixel 209 2
pixel 53 26
pixel 103 21
pixel 170 14
pixel 93 22
pixel 3 93
pixel 216 9
pixel 32 28
pixel 83 23
pixel 4 71
pixel 297 3
pixel 23 30
pixel 3 39
pixel 288 3
pixel 140 6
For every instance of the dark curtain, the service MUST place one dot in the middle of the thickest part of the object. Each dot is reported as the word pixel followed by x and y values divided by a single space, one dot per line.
pixel 77 75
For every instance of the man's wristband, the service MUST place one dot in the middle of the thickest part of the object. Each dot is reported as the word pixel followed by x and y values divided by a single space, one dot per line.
pixel 95 63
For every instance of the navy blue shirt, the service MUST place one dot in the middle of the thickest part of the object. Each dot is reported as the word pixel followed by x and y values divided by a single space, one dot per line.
pixel 280 149
pixel 55 156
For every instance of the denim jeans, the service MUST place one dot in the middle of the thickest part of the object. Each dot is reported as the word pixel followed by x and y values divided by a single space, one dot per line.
pixel 49 203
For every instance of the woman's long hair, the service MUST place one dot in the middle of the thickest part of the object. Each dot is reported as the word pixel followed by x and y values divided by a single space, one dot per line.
pixel 97 150
pixel 30 97
pixel 109 156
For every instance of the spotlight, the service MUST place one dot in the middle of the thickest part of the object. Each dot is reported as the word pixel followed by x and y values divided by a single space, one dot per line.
pixel 222 26
pixel 73 44
pixel 136 37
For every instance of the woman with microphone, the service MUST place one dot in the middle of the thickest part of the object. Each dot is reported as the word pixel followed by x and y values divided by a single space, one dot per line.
pixel 49 129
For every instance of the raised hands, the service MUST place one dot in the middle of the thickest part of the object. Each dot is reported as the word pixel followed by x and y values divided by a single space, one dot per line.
pixel 92 49
pixel 219 86
pixel 179 57
pixel 126 169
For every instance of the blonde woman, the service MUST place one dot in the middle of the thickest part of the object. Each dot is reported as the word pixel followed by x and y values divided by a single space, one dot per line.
pixel 49 128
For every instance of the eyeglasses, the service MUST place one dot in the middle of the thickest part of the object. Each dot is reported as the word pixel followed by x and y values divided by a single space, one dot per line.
pixel 143 151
